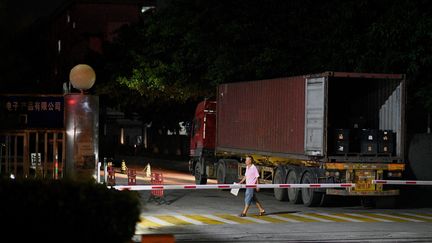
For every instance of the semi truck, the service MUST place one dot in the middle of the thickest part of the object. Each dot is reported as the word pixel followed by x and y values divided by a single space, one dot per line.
pixel 330 127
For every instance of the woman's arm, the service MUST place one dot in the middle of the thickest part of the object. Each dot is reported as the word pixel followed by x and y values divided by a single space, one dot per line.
pixel 257 182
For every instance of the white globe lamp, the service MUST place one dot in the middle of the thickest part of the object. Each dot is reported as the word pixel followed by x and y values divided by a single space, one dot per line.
pixel 82 77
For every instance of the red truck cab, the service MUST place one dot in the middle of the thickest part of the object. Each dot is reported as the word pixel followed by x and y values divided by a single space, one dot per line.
pixel 202 142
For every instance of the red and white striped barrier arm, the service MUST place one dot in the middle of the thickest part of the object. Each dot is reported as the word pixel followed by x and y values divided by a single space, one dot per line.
pixel 228 186
pixel 400 182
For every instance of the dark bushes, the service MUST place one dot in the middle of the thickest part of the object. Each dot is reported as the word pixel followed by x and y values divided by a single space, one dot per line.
pixel 66 211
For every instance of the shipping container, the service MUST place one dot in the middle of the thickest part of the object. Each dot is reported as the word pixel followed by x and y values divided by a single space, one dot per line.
pixel 320 127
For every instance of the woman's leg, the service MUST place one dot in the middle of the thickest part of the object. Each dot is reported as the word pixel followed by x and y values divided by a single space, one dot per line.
pixel 249 194
pixel 258 204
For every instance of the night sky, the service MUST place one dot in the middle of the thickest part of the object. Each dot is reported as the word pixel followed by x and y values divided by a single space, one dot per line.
pixel 18 15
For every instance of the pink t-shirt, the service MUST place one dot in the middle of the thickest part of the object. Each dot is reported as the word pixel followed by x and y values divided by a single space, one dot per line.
pixel 251 174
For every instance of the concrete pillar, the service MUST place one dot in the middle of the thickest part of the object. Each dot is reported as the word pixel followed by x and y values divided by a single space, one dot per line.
pixel 82 134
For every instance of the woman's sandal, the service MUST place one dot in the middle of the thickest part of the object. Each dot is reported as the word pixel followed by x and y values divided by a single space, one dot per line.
pixel 242 215
pixel 262 213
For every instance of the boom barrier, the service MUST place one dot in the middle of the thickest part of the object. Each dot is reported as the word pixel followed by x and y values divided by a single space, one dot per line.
pixel 239 186
pixel 229 186
pixel 400 182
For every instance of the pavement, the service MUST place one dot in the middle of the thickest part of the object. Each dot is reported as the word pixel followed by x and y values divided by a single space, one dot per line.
pixel 173 171
pixel 156 163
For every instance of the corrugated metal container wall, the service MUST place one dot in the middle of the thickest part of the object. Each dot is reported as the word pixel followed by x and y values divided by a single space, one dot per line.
pixel 265 115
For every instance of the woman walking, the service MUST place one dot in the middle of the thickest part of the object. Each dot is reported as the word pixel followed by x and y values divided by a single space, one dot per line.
pixel 251 177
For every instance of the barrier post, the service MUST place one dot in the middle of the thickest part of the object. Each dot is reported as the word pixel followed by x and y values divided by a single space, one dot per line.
pixel 131 176
pixel 98 179
pixel 157 195
pixel 111 176
pixel 104 168
pixel 148 170
pixel 56 168
pixel 105 171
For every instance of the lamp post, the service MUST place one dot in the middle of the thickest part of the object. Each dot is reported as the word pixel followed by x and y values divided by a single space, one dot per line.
pixel 82 124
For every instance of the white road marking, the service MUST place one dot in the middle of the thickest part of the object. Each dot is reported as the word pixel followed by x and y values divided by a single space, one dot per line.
pixel 312 217
pixel 418 215
pixel 341 217
pixel 189 220
pixel 284 219
pixel 260 221
pixel 219 219
pixel 398 217
pixel 158 221
pixel 369 217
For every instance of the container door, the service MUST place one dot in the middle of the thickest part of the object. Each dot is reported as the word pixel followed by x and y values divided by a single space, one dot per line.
pixel 314 127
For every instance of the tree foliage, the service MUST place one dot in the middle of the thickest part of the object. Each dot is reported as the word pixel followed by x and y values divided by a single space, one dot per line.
pixel 184 49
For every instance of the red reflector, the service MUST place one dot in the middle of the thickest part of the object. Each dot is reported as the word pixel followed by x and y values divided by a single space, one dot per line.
pixel 157 187
pixel 223 186
pixel 284 186
pixel 72 102
pixel 315 185
pixel 411 182
pixel 346 185
pixel 189 187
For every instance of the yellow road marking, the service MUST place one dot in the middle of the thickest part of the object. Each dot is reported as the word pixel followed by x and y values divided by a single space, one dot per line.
pixel 147 223
pixel 297 217
pixel 328 217
pixel 413 217
pixel 388 217
pixel 358 217
pixel 203 219
pixel 172 220
pixel 235 218
pixel 268 219
pixel 420 215
pixel 363 217
pixel 428 214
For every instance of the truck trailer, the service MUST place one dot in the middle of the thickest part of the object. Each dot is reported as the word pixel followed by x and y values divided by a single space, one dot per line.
pixel 330 127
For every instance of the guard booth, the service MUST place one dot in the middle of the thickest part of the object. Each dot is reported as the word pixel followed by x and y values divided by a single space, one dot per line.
pixel 32 136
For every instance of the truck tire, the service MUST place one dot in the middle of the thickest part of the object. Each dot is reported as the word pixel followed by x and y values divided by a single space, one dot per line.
pixel 310 197
pixel 221 173
pixel 191 167
pixel 200 179
pixel 294 194
pixel 227 171
pixel 280 194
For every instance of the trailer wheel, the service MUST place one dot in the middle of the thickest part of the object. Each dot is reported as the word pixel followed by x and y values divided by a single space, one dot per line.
pixel 200 179
pixel 280 193
pixel 191 166
pixel 221 173
pixel 294 194
pixel 310 197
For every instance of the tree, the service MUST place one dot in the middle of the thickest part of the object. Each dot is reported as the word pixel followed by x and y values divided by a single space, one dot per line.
pixel 185 49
